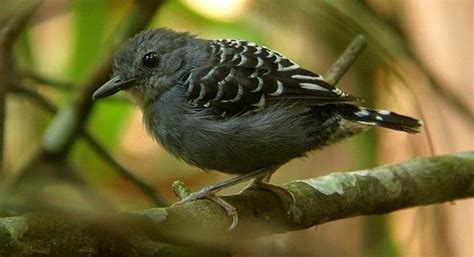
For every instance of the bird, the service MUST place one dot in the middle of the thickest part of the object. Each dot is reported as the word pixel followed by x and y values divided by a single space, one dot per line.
pixel 235 106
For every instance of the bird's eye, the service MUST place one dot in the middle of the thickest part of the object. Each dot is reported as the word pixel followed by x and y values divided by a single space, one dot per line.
pixel 150 60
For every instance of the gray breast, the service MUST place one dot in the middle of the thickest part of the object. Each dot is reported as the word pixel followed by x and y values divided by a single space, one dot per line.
pixel 241 144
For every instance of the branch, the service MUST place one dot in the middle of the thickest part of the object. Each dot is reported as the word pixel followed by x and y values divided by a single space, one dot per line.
pixel 44 80
pixel 50 108
pixel 43 235
pixel 70 119
pixel 62 131
pixel 347 58
pixel 10 29
pixel 318 200
pixel 145 187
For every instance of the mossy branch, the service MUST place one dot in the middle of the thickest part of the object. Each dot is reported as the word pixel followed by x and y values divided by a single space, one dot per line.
pixel 336 196
pixel 319 200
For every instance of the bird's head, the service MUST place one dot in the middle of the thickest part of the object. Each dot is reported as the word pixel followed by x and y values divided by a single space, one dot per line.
pixel 149 64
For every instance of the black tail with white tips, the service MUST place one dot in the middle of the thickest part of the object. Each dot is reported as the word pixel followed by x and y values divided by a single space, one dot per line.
pixel 381 118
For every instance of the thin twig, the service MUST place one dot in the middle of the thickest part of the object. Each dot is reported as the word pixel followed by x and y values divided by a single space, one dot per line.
pixel 402 42
pixel 69 120
pixel 10 29
pixel 61 133
pixel 51 108
pixel 344 62
pixel 42 101
pixel 44 80
pixel 122 171
pixel 62 85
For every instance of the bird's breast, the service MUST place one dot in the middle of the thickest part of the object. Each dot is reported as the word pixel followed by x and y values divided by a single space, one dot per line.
pixel 238 144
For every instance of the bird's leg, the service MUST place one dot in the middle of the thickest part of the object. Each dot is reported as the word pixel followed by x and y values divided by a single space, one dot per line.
pixel 286 196
pixel 208 192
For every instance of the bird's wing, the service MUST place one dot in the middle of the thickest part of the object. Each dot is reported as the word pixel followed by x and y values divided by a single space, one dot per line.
pixel 243 76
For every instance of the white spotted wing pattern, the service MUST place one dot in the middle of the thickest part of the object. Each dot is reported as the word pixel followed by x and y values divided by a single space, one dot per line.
pixel 244 76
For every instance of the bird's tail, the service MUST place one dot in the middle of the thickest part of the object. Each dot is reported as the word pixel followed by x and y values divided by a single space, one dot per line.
pixel 381 118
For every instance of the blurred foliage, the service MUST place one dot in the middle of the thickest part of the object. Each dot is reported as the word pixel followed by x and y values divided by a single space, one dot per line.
pixel 89 18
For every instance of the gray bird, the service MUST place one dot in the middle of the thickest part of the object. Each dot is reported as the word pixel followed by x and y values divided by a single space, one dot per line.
pixel 235 106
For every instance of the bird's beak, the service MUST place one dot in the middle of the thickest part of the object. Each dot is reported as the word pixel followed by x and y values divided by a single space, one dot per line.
pixel 111 87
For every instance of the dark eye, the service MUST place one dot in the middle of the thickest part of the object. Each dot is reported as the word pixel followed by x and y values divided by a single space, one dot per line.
pixel 150 60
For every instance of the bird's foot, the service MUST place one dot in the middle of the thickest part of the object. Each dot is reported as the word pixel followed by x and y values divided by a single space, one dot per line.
pixel 207 193
pixel 284 194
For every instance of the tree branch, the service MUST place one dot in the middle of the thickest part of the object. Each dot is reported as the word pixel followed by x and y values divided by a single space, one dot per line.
pixel 44 80
pixel 10 29
pixel 318 200
pixel 70 119
pixel 145 187
pixel 50 108
pixel 345 61
pixel 63 129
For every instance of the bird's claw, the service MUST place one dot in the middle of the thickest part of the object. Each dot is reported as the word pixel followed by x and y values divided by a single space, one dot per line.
pixel 231 210
pixel 204 193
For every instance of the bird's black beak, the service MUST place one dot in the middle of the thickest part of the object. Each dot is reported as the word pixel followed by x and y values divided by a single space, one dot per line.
pixel 111 87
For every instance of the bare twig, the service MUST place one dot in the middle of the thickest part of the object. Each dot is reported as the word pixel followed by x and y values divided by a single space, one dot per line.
pixel 122 171
pixel 70 119
pixel 10 29
pixel 41 79
pixel 42 101
pixel 401 43
pixel 61 85
pixel 180 189
pixel 51 108
pixel 344 62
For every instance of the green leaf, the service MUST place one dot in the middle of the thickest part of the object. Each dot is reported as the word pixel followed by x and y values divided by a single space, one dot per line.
pixel 89 25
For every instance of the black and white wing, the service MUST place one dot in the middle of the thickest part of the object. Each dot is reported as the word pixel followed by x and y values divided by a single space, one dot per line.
pixel 244 76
